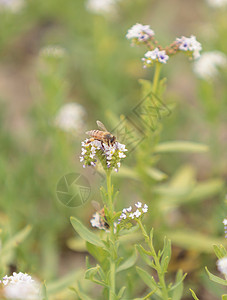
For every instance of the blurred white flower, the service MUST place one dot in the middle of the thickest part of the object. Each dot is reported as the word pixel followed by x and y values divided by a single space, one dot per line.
pixel 21 286
pixel 139 33
pixel 189 44
pixel 222 265
pixel 70 117
pixel 11 5
pixel 101 6
pixel 52 51
pixel 217 3
pixel 206 66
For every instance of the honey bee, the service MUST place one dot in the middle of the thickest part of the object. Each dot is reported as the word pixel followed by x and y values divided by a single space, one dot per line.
pixel 100 216
pixel 102 135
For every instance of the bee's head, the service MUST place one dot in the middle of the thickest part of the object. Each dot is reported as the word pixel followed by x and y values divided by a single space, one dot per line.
pixel 113 139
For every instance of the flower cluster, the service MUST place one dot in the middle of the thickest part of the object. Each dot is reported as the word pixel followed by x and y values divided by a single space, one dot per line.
pixel 222 265
pixel 225 227
pixel 70 117
pixel 206 67
pixel 190 45
pixel 143 34
pixel 21 286
pixel 139 33
pixel 128 214
pixel 155 55
pixel 109 155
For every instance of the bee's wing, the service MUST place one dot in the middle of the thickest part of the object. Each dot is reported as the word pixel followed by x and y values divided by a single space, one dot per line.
pixel 101 126
pixel 95 204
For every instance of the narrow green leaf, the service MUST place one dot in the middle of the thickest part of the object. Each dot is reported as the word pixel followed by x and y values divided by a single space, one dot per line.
pixel 180 146
pixel 193 294
pixel 215 278
pixel 166 256
pixel 121 292
pixel 128 263
pixel 84 233
pixel 145 255
pixel 220 251
pixel 99 254
pixel 44 291
pixel 149 280
pixel 177 288
pixel 80 293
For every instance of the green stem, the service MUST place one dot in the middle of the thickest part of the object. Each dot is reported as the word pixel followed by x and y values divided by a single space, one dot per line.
pixel 156 77
pixel 109 192
pixel 112 243
pixel 161 275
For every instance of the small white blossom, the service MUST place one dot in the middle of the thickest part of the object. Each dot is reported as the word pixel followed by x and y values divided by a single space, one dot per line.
pixel 206 67
pixel 225 222
pixel 129 209
pixel 21 286
pixel 138 204
pixel 128 215
pixel 155 55
pixel 145 208
pixel 190 44
pixel 53 51
pixel 217 3
pixel 139 33
pixel 137 213
pixel 222 265
pixel 70 117
pixel 131 216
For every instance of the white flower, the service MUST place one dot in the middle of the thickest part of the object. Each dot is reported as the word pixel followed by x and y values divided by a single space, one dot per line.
pixel 140 32
pixel 53 51
pixel 121 147
pixel 190 44
pixel 162 57
pixel 225 222
pixel 123 216
pixel 137 213
pixel 101 6
pixel 222 265
pixel 129 209
pixel 131 216
pixel 206 66
pixel 21 286
pixel 145 208
pixel 155 55
pixel 217 3
pixel 138 204
pixel 13 6
pixel 121 155
pixel 152 54
pixel 70 117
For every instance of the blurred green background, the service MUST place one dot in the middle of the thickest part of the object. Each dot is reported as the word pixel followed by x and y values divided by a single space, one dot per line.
pixel 95 67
